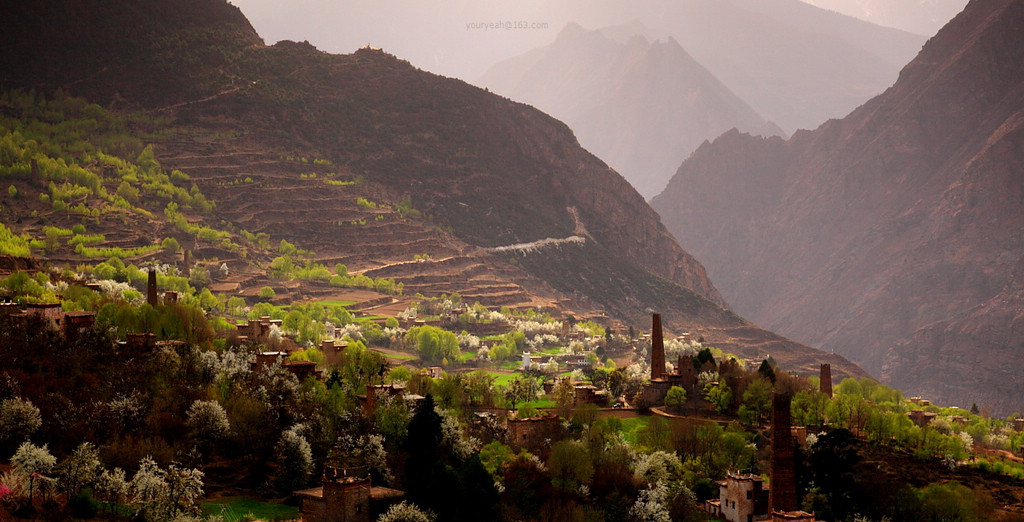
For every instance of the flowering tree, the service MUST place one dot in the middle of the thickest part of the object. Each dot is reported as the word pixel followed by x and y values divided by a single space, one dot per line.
pixel 19 418
pixel 294 459
pixel 406 512
pixel 33 462
pixel 79 470
pixel 208 423
pixel 163 494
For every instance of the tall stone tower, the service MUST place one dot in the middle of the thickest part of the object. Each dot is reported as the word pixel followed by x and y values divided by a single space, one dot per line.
pixel 783 490
pixel 657 349
pixel 826 379
pixel 343 497
pixel 151 296
pixel 347 500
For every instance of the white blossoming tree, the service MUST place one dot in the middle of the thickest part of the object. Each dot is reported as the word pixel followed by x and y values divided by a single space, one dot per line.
pixel 33 462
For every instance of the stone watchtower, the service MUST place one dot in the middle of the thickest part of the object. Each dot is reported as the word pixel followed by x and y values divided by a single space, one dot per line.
pixel 151 296
pixel 825 384
pixel 343 497
pixel 657 349
pixel 783 485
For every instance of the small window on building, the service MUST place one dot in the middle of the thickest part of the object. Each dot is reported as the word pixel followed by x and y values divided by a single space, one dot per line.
pixel 749 494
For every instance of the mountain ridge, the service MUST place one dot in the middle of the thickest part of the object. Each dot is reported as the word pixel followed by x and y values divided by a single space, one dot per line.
pixel 875 233
pixel 640 105
pixel 484 171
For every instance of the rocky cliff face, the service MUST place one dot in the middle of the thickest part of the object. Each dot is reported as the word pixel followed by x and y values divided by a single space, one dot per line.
pixel 893 235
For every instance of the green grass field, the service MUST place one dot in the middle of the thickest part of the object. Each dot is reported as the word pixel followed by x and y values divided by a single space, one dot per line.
pixel 397 356
pixel 335 302
pixel 631 427
pixel 554 350
pixel 246 508
pixel 501 379
pixel 328 302
pixel 543 403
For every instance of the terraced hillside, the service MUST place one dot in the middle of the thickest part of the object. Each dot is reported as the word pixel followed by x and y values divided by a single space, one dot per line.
pixel 343 219
pixel 374 164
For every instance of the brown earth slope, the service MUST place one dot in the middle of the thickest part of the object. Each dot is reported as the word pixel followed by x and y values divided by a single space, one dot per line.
pixel 894 236
pixel 485 173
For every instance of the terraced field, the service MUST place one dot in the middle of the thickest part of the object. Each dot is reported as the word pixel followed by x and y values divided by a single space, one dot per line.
pixel 343 219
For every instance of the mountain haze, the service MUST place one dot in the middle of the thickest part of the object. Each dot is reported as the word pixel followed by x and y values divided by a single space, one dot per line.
pixel 916 16
pixel 509 208
pixel 795 64
pixel 641 106
pixel 894 235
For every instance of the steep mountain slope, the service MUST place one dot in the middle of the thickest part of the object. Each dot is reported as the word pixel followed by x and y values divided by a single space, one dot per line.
pixel 796 65
pixel 641 106
pixel 916 16
pixel 507 192
pixel 894 236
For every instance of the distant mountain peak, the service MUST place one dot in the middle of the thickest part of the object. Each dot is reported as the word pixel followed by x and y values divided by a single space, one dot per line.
pixel 895 235
pixel 641 105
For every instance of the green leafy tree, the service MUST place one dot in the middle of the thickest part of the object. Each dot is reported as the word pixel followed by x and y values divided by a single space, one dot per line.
pixel 757 398
pixel 676 398
pixel 526 411
pixel 719 395
pixel 832 467
pixel 564 394
pixel 521 388
pixel 495 456
pixel 392 419
pixel 433 343
pixel 570 465
pixel 170 244
pixel 429 480
pixel 765 370
pixel 449 390
pixel 656 435
pixel 808 408
pixel 267 293
pixel 480 388
pixel 477 497
pixel 236 306
pixel 954 501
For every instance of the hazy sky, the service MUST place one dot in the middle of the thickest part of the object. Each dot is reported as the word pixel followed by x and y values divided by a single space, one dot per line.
pixel 434 35
pixel 460 38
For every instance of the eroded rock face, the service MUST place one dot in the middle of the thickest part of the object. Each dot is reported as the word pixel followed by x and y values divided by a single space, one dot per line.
pixel 891 236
